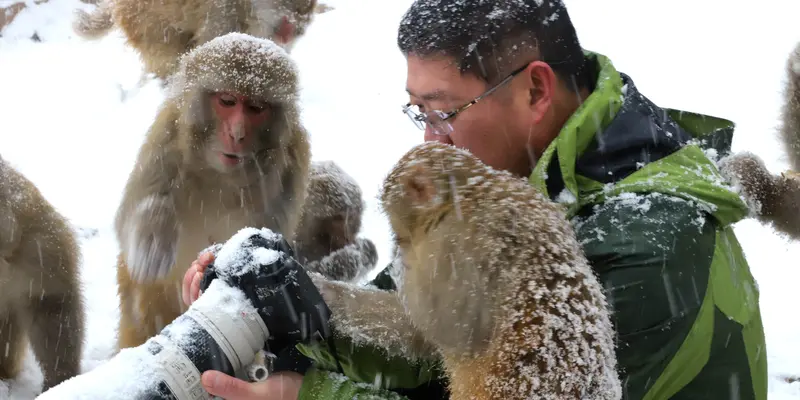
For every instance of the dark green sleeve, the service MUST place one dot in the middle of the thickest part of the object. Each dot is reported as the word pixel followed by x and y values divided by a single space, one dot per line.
pixel 653 256
pixel 368 365
pixel 326 385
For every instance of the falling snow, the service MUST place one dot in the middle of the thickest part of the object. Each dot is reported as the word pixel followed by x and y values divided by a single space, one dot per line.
pixel 351 100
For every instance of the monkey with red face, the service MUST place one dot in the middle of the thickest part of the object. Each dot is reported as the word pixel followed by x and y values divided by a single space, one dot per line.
pixel 227 150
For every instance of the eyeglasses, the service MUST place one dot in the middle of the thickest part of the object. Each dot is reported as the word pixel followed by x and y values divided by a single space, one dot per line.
pixel 438 120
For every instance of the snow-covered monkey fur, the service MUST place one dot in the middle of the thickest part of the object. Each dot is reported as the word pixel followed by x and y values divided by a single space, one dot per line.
pixel 326 240
pixel 493 278
pixel 774 198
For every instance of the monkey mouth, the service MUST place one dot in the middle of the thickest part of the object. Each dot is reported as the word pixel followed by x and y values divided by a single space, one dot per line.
pixel 231 159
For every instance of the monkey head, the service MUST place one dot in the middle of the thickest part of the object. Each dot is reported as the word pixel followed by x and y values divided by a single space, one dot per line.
pixel 425 185
pixel 287 20
pixel 436 199
pixel 237 97
pixel 332 211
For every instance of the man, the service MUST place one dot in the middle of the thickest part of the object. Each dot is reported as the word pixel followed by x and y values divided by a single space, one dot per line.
pixel 509 81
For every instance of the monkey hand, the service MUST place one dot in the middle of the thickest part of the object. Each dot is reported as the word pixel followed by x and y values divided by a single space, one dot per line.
pixel 151 247
pixel 747 171
pixel 348 263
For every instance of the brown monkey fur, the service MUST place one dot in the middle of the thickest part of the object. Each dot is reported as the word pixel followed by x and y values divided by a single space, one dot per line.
pixel 40 294
pixel 326 240
pixel 162 30
pixel 774 199
pixel 493 277
pixel 176 202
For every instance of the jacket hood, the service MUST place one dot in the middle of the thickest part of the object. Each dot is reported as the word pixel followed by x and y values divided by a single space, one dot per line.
pixel 618 142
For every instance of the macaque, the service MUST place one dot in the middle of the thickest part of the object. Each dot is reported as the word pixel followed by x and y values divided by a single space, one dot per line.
pixel 226 150
pixel 326 240
pixel 162 30
pixel 41 299
pixel 774 199
pixel 492 277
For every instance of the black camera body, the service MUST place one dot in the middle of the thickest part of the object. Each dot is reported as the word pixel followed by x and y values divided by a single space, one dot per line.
pixel 255 296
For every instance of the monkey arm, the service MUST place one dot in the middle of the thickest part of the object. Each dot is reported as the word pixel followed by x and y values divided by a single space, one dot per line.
pixel 375 343
pixel 10 233
pixel 146 223
pixel 680 292
pixel 790 110
pixel 774 199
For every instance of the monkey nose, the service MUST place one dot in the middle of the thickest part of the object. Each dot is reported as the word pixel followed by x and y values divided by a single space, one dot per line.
pixel 237 133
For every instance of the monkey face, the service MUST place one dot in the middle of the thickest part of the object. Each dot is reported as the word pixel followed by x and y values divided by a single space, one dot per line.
pixel 301 17
pixel 238 130
pixel 335 231
pixel 284 21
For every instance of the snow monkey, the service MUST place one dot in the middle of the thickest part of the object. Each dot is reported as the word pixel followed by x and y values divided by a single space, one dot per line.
pixel 41 300
pixel 493 277
pixel 162 30
pixel 775 199
pixel 226 150
pixel 326 240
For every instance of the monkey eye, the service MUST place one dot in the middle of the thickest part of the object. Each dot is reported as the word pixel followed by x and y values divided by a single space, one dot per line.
pixel 226 100
pixel 257 107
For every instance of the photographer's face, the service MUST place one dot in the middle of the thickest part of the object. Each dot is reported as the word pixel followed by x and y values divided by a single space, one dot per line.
pixel 502 129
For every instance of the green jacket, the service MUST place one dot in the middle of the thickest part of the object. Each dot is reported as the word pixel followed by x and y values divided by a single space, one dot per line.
pixel 654 217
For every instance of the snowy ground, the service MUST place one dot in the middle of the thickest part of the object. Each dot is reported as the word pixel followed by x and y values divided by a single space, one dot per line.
pixel 67 127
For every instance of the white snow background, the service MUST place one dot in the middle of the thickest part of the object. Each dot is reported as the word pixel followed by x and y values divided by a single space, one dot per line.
pixel 65 125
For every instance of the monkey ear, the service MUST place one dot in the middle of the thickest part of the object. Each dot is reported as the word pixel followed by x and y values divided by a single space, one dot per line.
pixel 418 185
pixel 322 8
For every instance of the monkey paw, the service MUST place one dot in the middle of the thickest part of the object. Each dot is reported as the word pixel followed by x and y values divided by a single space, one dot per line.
pixel 369 252
pixel 791 174
pixel 152 244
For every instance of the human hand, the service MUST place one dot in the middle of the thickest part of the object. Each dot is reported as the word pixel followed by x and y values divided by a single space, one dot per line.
pixel 283 385
pixel 193 277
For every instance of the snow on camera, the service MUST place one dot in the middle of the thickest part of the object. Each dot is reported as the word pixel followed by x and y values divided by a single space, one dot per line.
pixel 235 258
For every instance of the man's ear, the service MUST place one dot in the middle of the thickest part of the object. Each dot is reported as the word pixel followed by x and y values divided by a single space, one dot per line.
pixel 418 185
pixel 543 83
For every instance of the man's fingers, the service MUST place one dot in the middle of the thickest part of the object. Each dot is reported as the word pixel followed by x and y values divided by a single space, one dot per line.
pixel 230 388
pixel 205 259
pixel 194 290
pixel 188 278
pixel 191 280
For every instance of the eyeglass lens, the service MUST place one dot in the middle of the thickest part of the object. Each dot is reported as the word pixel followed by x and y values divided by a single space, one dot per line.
pixel 435 118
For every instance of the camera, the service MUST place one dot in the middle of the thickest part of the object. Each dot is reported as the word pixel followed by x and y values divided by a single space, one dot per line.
pixel 255 297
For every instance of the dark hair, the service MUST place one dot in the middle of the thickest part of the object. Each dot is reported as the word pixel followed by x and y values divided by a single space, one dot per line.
pixel 473 32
